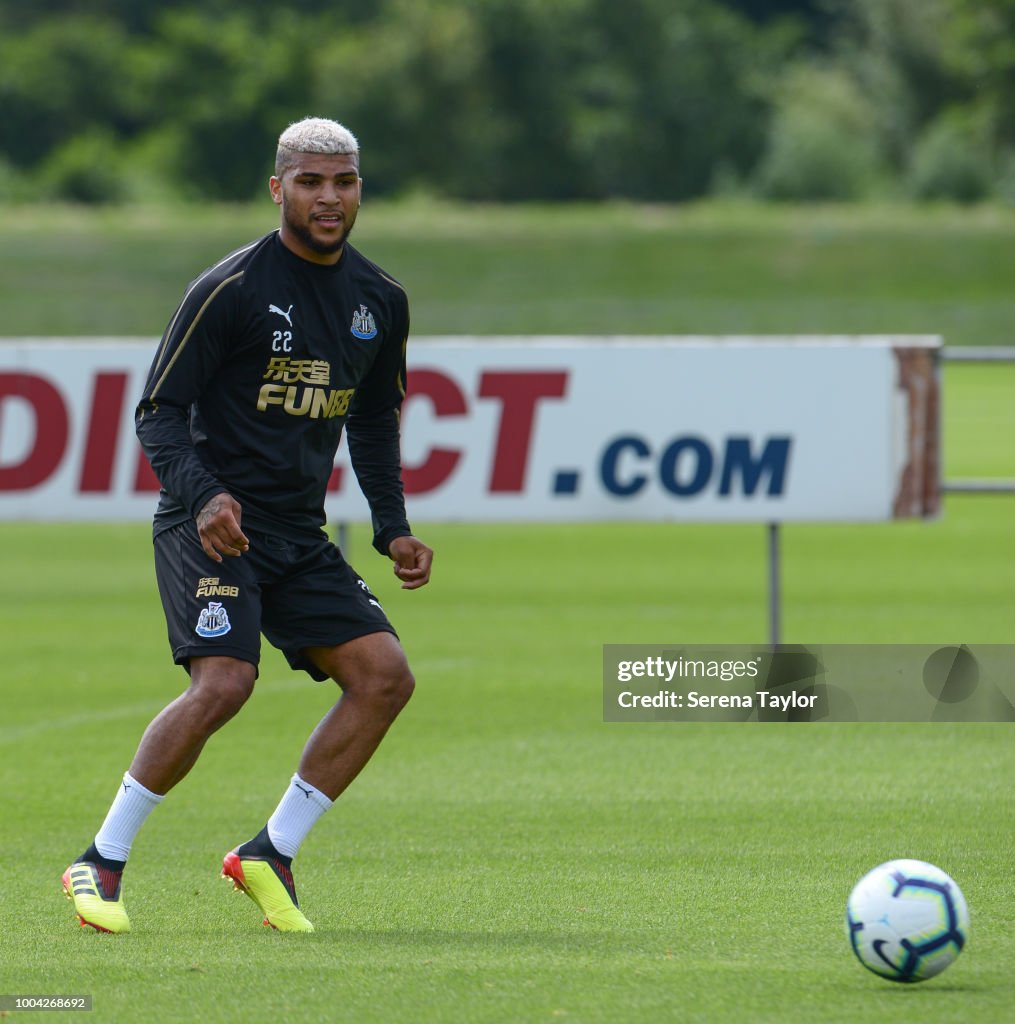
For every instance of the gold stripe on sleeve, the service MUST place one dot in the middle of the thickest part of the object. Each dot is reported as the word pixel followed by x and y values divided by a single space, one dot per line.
pixel 399 378
pixel 190 330
pixel 186 295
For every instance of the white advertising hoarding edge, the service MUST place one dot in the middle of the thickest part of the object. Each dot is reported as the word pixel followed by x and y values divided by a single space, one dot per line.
pixel 705 429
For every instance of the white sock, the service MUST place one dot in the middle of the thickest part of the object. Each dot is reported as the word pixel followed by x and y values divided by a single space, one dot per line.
pixel 131 807
pixel 296 814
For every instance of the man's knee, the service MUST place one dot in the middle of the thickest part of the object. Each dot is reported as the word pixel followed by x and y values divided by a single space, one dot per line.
pixel 220 687
pixel 388 687
pixel 372 669
pixel 399 687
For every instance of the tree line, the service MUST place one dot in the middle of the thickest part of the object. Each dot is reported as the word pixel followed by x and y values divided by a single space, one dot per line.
pixel 651 100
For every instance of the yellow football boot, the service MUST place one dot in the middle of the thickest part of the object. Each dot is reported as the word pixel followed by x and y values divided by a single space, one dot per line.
pixel 269 883
pixel 95 892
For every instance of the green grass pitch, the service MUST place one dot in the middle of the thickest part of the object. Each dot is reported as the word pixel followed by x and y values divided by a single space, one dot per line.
pixel 611 268
pixel 508 856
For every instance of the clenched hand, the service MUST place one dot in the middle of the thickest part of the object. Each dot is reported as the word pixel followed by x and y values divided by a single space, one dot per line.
pixel 218 526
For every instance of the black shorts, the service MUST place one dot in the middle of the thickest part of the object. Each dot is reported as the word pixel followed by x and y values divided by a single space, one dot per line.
pixel 299 594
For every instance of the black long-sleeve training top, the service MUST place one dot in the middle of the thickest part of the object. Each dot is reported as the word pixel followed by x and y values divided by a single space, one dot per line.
pixel 266 359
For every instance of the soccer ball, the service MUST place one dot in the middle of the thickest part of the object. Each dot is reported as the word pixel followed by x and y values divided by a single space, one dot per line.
pixel 906 920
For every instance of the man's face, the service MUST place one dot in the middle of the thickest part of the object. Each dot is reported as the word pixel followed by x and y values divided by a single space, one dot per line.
pixel 319 196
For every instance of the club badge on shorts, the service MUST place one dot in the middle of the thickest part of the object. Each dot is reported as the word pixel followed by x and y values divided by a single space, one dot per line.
pixel 213 620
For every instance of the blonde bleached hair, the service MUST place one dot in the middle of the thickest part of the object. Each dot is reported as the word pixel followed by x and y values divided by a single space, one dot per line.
pixel 313 135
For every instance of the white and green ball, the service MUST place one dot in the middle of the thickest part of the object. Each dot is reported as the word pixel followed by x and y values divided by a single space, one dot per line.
pixel 907 920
